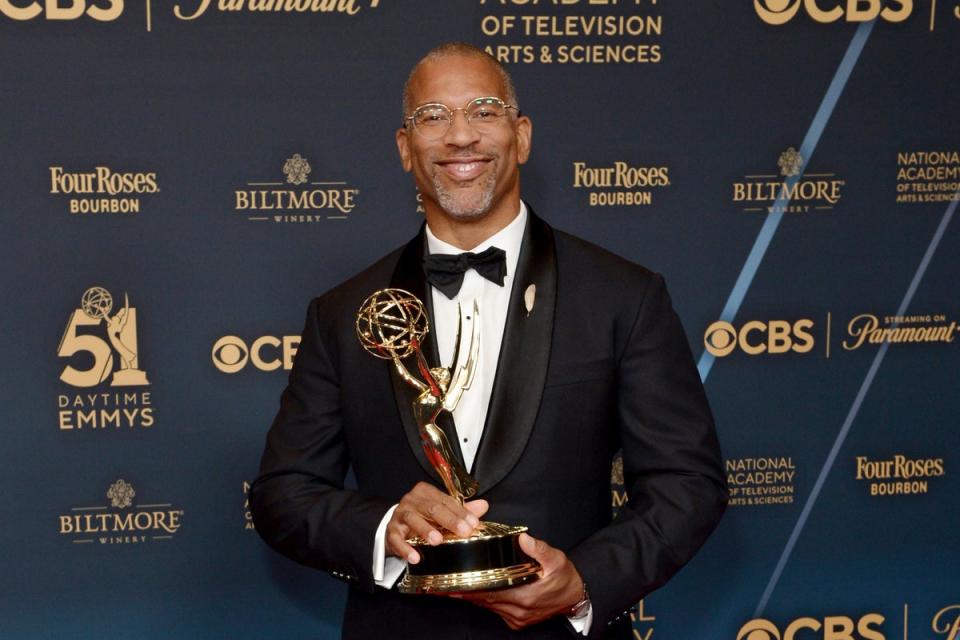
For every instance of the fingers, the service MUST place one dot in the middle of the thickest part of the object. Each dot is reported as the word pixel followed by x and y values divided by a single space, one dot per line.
pixel 477 507
pixel 548 557
pixel 515 617
pixel 438 507
pixel 517 607
pixel 418 525
pixel 445 512
pixel 425 511
pixel 397 546
pixel 558 588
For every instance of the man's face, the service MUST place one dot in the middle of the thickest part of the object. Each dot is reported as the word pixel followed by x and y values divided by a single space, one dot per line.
pixel 465 174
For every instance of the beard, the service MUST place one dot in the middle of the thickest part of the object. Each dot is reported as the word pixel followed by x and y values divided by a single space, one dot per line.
pixel 465 203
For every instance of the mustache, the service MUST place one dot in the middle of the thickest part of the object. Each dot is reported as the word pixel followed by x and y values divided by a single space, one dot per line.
pixel 465 154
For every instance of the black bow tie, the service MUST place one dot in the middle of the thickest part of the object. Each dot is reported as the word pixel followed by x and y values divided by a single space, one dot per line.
pixel 445 271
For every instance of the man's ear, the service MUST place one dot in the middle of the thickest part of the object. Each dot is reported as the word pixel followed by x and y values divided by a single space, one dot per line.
pixel 524 129
pixel 403 146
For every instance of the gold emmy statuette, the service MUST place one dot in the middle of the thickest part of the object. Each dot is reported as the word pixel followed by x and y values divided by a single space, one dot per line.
pixel 392 324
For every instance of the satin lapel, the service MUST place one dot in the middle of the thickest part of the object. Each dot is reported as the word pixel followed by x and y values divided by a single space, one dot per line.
pixel 408 275
pixel 524 356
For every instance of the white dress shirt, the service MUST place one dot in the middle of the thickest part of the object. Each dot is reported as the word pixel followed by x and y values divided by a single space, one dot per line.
pixel 492 300
pixel 470 413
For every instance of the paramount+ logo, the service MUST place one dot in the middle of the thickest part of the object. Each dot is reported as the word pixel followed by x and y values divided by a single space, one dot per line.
pixel 756 337
pixel 867 627
pixel 947 622
pixel 231 354
pixel 777 12
pixel 102 10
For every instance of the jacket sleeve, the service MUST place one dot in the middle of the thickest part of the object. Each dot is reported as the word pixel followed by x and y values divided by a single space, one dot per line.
pixel 298 502
pixel 672 466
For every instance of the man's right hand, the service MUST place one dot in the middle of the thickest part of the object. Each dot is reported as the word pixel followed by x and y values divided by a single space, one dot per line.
pixel 423 511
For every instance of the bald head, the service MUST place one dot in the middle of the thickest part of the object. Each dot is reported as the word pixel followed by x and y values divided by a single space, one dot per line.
pixel 458 49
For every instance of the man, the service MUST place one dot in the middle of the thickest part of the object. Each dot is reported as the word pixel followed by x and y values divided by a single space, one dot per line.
pixel 581 356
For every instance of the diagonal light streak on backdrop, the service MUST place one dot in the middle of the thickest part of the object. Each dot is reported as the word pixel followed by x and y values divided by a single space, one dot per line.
pixel 854 409
pixel 760 245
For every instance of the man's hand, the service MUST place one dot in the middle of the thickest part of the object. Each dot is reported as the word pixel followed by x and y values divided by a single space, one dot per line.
pixel 422 511
pixel 559 588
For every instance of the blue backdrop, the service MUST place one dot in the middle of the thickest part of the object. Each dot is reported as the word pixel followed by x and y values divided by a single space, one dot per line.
pixel 191 173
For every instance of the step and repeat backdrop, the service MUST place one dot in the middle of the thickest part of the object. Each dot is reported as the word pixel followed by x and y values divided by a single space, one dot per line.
pixel 180 177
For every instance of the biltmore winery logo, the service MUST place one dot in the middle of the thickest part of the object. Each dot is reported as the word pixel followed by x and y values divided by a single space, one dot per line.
pixel 297 198
pixel 125 519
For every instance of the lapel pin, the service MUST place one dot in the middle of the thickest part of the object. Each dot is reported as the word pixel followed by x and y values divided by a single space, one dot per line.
pixel 528 298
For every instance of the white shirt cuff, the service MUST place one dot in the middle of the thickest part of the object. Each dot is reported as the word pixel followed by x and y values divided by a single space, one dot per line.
pixel 386 570
pixel 582 625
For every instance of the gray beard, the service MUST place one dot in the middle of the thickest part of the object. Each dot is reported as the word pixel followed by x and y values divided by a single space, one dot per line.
pixel 453 205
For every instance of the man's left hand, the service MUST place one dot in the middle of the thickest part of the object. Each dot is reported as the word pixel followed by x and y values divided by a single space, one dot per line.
pixel 558 589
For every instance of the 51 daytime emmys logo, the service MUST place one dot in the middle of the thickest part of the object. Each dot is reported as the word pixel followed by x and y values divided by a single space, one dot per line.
pixel 230 354
pixel 777 12
pixel 100 343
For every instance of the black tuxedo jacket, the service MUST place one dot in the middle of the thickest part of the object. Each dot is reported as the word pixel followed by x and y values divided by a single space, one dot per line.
pixel 600 364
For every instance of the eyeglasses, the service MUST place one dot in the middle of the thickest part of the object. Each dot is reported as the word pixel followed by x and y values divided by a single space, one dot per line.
pixel 432 120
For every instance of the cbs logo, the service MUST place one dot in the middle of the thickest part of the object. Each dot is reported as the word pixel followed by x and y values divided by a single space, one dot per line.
pixel 59 10
pixel 230 354
pixel 782 11
pixel 832 628
pixel 756 337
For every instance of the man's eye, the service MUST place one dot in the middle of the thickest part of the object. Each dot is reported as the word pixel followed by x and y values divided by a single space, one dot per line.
pixel 433 117
pixel 484 114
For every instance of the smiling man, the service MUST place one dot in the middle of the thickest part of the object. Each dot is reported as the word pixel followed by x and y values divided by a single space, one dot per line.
pixel 581 356
pixel 468 173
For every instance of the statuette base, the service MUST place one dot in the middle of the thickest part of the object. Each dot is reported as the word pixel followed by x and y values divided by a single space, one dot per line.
pixel 489 559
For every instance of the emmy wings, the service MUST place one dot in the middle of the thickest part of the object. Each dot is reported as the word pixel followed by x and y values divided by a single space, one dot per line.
pixel 462 371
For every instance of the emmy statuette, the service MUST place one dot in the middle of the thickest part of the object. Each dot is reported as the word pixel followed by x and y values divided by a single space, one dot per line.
pixel 391 324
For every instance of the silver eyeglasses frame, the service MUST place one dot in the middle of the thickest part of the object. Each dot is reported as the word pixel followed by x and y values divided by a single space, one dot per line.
pixel 441 131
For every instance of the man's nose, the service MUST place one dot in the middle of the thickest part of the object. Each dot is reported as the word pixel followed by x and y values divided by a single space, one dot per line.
pixel 461 133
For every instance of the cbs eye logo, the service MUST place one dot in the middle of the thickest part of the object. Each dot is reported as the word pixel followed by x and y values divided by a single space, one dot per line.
pixel 755 337
pixel 779 12
pixel 759 629
pixel 230 354
pixel 831 628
